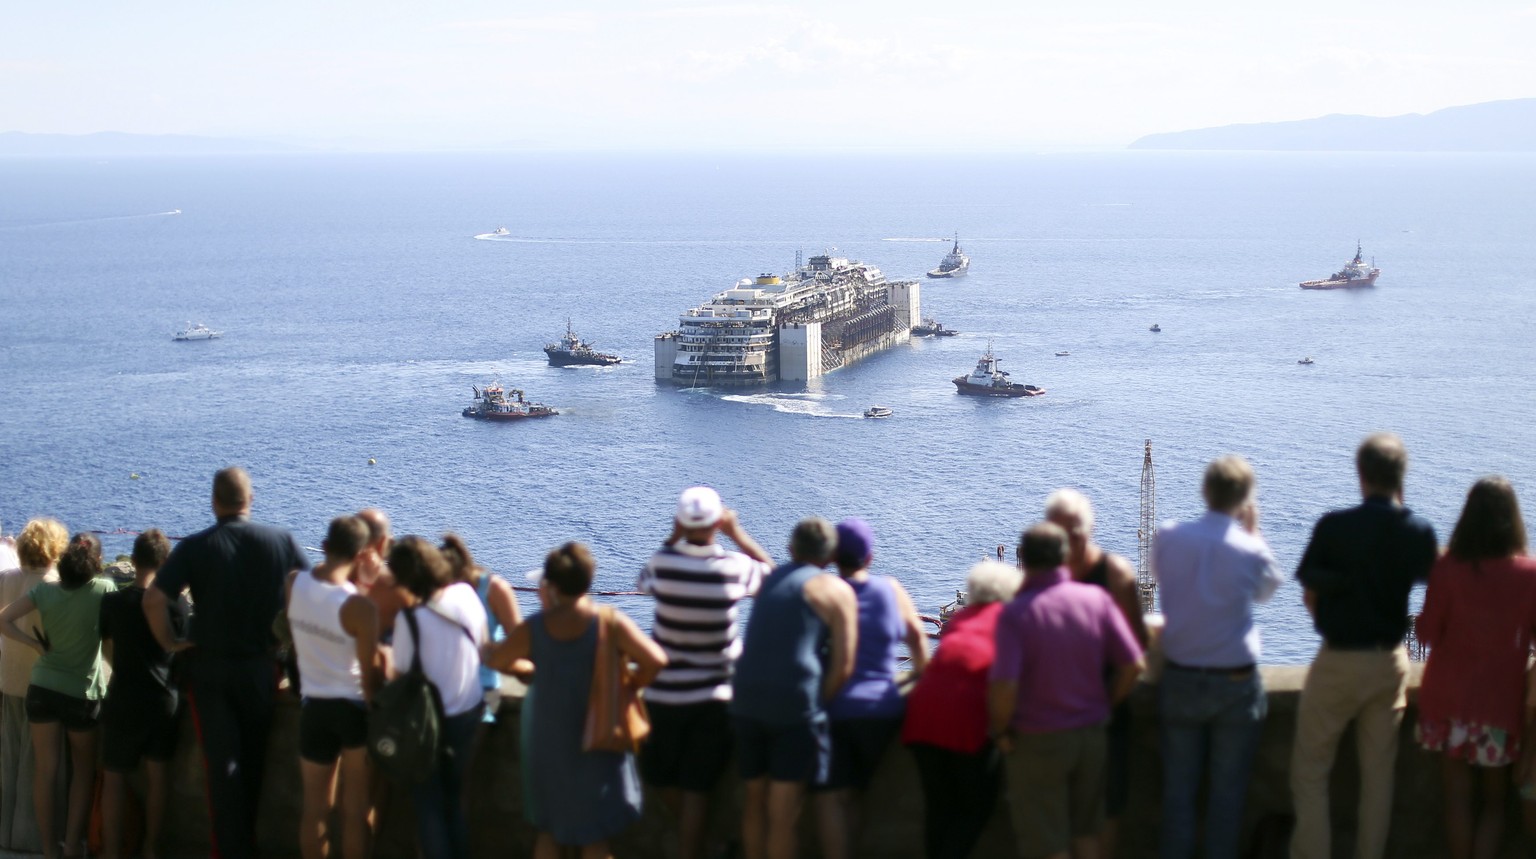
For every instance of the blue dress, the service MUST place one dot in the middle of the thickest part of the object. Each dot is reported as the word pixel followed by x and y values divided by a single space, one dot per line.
pixel 578 797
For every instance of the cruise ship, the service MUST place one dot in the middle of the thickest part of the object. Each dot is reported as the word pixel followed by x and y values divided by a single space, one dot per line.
pixel 826 314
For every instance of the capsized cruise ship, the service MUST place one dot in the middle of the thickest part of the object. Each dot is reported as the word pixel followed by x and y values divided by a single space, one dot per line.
pixel 826 314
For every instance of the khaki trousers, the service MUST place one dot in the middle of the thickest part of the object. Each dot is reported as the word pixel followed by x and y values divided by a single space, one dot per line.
pixel 1366 687
pixel 18 820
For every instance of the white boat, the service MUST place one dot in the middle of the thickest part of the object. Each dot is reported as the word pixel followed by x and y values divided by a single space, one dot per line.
pixel 878 412
pixel 196 332
pixel 501 231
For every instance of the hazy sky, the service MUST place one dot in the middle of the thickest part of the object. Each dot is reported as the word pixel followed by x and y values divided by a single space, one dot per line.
pixel 680 74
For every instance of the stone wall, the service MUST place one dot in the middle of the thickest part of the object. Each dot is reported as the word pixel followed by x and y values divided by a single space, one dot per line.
pixel 894 803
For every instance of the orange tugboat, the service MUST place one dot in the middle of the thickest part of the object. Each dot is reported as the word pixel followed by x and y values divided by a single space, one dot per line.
pixel 1355 275
pixel 989 381
pixel 492 403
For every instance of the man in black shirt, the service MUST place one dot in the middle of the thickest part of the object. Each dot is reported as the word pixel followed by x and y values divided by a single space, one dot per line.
pixel 236 571
pixel 138 719
pixel 1357 572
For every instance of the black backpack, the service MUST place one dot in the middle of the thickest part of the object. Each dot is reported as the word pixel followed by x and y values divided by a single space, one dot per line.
pixel 405 727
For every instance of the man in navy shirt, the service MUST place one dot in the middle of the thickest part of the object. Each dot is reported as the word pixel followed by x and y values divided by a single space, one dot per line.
pixel 1357 572
pixel 236 571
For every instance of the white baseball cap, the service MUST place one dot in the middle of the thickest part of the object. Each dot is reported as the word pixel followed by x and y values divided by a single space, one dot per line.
pixel 699 507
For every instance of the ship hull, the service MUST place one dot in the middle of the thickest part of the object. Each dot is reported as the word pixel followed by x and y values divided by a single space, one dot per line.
pixel 566 359
pixel 1331 283
pixel 964 386
pixel 507 416
pixel 938 274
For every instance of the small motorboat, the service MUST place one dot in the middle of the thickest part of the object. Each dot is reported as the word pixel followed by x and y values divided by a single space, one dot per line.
pixel 196 332
pixel 1156 329
pixel 1063 353
pixel 878 412
pixel 1307 360
pixel 501 231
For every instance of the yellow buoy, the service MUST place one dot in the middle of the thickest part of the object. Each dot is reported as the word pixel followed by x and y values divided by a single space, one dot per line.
pixel 134 475
pixel 372 461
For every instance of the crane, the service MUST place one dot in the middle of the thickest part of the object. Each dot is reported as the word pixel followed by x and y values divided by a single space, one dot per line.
pixel 1146 586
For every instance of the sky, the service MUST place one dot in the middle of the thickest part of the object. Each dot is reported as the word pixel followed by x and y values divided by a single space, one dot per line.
pixel 687 75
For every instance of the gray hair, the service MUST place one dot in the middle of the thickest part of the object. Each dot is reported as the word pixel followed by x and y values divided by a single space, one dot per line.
pixel 1068 502
pixel 992 581
pixel 813 541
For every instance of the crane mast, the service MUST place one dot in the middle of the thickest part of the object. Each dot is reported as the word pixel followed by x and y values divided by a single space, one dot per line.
pixel 1146 585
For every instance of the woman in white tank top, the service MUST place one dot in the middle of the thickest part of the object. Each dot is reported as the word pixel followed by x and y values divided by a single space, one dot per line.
pixel 335 637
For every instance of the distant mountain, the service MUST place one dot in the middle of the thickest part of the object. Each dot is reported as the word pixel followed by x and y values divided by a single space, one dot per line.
pixel 1494 126
pixel 117 143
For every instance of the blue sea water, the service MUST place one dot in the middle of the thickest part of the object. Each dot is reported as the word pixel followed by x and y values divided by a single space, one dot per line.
pixel 359 310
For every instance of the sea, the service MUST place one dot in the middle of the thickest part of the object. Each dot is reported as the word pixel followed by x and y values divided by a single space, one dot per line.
pixel 361 300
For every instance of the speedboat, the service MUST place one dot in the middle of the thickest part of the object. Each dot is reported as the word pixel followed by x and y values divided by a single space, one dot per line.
pixel 1307 360
pixel 1063 353
pixel 1156 329
pixel 878 412
pixel 501 231
pixel 196 332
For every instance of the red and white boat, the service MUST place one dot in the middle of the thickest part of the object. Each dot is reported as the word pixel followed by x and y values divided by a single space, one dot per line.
pixel 493 403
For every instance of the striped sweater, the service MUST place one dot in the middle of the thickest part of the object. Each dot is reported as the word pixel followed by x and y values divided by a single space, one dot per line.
pixel 696 590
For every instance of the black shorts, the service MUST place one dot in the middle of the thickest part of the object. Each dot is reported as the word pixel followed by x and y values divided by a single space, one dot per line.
pixel 131 734
pixel 689 746
pixel 45 706
pixel 857 748
pixel 799 752
pixel 329 725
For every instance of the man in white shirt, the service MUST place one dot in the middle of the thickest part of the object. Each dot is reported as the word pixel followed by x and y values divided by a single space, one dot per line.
pixel 1209 573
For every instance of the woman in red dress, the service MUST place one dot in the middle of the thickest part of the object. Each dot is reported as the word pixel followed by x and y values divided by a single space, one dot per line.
pixel 1479 621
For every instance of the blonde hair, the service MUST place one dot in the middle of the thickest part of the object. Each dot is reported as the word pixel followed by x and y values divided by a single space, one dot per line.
pixel 1228 483
pixel 1068 502
pixel 41 543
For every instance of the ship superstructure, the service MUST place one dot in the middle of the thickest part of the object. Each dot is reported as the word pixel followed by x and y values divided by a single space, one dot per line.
pixel 827 313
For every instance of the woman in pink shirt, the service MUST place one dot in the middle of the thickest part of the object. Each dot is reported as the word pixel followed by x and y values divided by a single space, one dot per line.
pixel 1479 620
pixel 946 724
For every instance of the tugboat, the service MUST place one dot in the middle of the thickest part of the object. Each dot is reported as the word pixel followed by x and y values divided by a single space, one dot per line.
pixel 955 263
pixel 931 327
pixel 989 381
pixel 572 351
pixel 1355 275
pixel 196 332
pixel 878 412
pixel 493 403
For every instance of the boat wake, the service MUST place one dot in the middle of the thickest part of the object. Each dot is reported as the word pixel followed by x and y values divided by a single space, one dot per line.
pixel 535 240
pixel 914 240
pixel 92 220
pixel 809 405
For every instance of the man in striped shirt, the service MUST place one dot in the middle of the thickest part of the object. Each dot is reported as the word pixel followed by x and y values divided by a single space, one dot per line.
pixel 697 584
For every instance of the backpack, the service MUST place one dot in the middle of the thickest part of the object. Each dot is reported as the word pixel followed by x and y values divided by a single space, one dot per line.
pixel 405 726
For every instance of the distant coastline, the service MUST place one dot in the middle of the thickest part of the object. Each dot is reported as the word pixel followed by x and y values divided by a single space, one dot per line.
pixel 117 143
pixel 1495 126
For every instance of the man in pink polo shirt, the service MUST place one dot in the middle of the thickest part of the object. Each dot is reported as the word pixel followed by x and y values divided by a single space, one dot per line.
pixel 1049 702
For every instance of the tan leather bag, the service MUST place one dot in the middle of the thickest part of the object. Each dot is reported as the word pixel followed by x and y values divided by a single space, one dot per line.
pixel 616 717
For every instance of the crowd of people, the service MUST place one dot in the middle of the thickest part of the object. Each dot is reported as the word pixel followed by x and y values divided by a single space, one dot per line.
pixel 1023 701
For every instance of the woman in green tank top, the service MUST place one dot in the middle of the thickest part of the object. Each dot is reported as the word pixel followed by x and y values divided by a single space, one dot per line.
pixel 67 684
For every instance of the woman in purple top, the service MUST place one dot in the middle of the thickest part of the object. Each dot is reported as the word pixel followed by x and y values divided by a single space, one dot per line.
pixel 867 712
